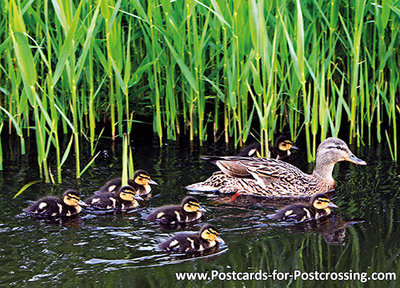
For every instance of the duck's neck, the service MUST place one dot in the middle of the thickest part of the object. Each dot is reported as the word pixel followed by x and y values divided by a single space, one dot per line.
pixel 324 169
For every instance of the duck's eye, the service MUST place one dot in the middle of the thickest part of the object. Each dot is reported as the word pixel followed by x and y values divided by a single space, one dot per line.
pixel 338 147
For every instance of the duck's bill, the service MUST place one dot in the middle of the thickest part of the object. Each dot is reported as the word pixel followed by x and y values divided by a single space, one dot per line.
pixel 353 159
pixel 202 209
pixel 294 148
pixel 220 240
pixel 331 205
pixel 83 204
pixel 137 197
pixel 152 182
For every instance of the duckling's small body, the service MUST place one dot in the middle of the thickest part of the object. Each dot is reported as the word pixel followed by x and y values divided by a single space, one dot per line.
pixel 68 205
pixel 319 206
pixel 280 150
pixel 141 182
pixel 188 211
pixel 193 242
pixel 125 199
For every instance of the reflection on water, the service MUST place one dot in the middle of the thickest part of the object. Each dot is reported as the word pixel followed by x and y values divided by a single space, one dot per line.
pixel 331 228
pixel 363 234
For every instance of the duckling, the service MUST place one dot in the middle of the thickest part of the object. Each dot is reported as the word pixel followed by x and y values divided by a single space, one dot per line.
pixel 125 199
pixel 205 239
pixel 188 211
pixel 68 205
pixel 280 150
pixel 319 206
pixel 141 181
pixel 268 177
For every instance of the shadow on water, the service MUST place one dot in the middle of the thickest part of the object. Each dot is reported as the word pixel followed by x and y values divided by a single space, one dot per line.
pixel 363 235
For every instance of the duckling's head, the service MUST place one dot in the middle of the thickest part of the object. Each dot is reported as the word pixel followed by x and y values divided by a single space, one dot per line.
pixel 284 143
pixel 73 198
pixel 322 202
pixel 190 204
pixel 127 193
pixel 253 150
pixel 142 178
pixel 209 233
pixel 333 150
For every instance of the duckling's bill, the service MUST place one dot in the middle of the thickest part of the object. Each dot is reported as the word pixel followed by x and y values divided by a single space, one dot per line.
pixel 152 182
pixel 331 205
pixel 137 197
pixel 82 204
pixel 220 240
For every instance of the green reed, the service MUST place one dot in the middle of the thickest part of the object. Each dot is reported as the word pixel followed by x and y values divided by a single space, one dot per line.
pixel 1 149
pixel 230 68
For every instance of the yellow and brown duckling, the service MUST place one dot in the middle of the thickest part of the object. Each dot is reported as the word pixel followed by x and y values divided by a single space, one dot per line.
pixel 68 205
pixel 319 207
pixel 206 238
pixel 141 181
pixel 125 199
pixel 188 211
pixel 280 150
pixel 274 178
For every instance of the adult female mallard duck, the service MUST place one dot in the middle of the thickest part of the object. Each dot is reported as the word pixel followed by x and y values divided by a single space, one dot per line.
pixel 141 181
pixel 280 150
pixel 68 205
pixel 319 206
pixel 206 238
pixel 274 178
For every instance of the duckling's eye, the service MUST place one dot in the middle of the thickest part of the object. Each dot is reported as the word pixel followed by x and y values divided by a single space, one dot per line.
pixel 338 147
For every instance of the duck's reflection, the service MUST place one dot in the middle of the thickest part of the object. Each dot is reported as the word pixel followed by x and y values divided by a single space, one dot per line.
pixel 71 221
pixel 331 228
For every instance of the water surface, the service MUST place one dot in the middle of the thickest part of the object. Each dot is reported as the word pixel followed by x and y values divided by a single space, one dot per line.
pixel 121 251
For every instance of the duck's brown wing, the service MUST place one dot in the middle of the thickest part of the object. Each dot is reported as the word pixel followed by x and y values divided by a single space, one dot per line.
pixel 233 168
pixel 231 165
pixel 276 174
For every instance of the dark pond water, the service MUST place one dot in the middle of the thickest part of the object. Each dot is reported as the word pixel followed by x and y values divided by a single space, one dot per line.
pixel 121 251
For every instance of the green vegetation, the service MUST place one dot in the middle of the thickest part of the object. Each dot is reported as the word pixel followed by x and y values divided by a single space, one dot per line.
pixel 226 68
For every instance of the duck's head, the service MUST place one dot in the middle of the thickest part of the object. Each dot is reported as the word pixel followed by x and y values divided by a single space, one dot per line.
pixel 284 143
pixel 127 193
pixel 322 202
pixel 334 150
pixel 142 178
pixel 190 204
pixel 73 198
pixel 209 233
